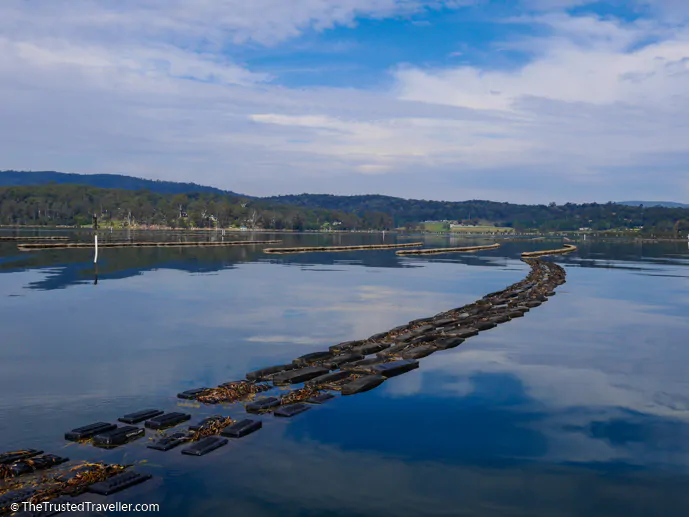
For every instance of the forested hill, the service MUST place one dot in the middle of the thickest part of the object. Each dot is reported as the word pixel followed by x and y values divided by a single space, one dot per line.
pixel 666 204
pixel 76 204
pixel 26 178
pixel 161 203
pixel 550 217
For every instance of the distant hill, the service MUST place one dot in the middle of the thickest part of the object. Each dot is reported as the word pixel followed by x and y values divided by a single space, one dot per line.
pixel 118 181
pixel 665 204
pixel 60 198
pixel 406 211
pixel 69 204
pixel 549 217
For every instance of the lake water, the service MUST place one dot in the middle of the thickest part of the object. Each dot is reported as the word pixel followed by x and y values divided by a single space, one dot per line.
pixel 581 408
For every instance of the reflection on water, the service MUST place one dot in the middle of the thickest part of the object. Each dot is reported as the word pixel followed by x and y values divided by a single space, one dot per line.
pixel 579 408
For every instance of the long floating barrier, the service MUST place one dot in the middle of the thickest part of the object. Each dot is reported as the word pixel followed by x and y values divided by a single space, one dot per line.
pixel 437 251
pixel 49 238
pixel 45 246
pixel 346 368
pixel 343 248
pixel 568 248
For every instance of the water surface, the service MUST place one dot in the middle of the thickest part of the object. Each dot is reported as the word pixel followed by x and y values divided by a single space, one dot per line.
pixel 579 408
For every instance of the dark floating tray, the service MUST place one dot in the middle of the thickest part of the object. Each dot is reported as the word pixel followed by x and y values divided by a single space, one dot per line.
pixel 347 345
pixel 262 405
pixel 89 431
pixel 329 377
pixel 291 410
pixel 485 325
pixel 425 338
pixel 301 375
pixel 205 445
pixel 388 370
pixel 192 394
pixel 406 336
pixel 12 456
pixel 319 399
pixel 231 383
pixel 515 314
pixel 394 349
pixel 170 442
pixel 447 343
pixel 464 332
pixel 264 373
pixel 370 348
pixel 140 416
pixel 310 358
pixel 167 420
pixel 420 321
pixel 242 428
pixel 419 351
pixel 370 361
pixel 16 496
pixel 362 384
pixel 37 463
pixel 340 360
pixel 118 483
pixel 119 436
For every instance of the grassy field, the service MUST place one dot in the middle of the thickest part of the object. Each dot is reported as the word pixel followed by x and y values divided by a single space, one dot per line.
pixel 433 227
pixel 482 229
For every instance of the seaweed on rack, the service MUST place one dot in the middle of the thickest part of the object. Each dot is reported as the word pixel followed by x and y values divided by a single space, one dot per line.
pixel 211 427
pixel 232 392
pixel 30 465
pixel 70 482
pixel 337 385
pixel 300 395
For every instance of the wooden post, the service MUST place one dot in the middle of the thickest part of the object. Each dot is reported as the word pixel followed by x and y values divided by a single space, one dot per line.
pixel 95 238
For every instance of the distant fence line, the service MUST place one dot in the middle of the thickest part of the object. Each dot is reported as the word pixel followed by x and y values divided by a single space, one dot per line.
pixel 69 245
pixel 566 249
pixel 342 248
pixel 437 251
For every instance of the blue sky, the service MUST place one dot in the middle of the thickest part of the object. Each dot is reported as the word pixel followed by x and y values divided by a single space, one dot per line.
pixel 524 100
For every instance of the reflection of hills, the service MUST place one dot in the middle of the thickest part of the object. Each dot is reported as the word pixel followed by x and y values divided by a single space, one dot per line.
pixel 72 267
pixel 627 255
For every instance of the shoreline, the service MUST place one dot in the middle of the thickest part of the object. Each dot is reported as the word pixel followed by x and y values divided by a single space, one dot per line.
pixel 401 233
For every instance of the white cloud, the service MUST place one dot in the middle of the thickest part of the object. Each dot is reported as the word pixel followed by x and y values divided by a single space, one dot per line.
pixel 152 88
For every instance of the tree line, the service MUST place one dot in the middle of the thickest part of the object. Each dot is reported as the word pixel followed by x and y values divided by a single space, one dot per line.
pixel 76 204
pixel 55 205
pixel 546 218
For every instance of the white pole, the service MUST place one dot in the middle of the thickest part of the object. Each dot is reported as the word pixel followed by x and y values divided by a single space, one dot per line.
pixel 95 244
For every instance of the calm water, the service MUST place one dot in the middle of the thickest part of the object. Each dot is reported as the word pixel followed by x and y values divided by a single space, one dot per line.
pixel 581 408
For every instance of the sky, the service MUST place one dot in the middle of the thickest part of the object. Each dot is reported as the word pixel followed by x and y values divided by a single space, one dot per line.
pixel 527 101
